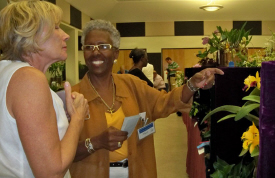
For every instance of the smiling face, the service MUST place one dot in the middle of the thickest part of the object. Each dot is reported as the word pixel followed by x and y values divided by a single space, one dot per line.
pixel 99 62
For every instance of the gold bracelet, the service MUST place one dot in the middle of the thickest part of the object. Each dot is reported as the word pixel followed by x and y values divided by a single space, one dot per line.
pixel 89 146
pixel 191 87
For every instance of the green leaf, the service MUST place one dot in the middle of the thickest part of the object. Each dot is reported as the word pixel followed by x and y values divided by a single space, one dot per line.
pixel 227 117
pixel 255 152
pixel 252 118
pixel 247 170
pixel 245 110
pixel 227 169
pixel 207 134
pixel 248 103
pixel 252 98
pixel 243 152
pixel 236 170
pixel 212 49
pixel 256 92
pixel 221 162
pixel 218 174
pixel 229 108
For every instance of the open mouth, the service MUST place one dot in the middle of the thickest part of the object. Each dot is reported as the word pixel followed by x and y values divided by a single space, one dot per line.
pixel 97 62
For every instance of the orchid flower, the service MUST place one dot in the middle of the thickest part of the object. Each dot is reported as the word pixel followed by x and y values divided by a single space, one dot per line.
pixel 252 81
pixel 205 40
pixel 251 138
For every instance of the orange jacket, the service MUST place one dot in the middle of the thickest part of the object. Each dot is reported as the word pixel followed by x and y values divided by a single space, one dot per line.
pixel 136 97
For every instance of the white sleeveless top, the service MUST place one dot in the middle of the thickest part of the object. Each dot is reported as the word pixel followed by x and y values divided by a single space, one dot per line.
pixel 13 161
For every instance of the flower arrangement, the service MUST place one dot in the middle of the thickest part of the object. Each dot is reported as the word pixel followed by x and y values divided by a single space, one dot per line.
pixel 256 59
pixel 251 137
pixel 233 42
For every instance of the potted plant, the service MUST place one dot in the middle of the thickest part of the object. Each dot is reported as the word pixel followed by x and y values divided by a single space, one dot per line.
pixel 56 70
pixel 227 44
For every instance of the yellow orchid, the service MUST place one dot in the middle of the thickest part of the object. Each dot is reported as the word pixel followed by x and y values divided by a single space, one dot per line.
pixel 252 81
pixel 258 80
pixel 251 138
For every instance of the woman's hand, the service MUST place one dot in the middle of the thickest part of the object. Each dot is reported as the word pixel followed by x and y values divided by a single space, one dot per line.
pixel 111 139
pixel 205 79
pixel 76 103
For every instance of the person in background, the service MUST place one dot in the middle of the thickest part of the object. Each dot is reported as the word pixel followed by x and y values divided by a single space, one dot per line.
pixel 148 72
pixel 158 82
pixel 140 60
pixel 36 139
pixel 104 150
pixel 173 67
pixel 122 70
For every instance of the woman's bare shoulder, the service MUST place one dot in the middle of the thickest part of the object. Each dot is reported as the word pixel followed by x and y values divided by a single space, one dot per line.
pixel 29 77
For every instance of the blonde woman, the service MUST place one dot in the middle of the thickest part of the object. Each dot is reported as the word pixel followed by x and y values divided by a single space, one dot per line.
pixel 36 139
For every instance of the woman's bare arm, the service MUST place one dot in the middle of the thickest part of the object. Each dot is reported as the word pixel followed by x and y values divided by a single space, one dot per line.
pixel 30 102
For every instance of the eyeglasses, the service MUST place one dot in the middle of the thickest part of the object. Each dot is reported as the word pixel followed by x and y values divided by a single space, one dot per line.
pixel 100 47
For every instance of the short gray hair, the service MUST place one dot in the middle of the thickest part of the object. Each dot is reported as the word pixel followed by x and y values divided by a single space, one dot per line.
pixel 104 26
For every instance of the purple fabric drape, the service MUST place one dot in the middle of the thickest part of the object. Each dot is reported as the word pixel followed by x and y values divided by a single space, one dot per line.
pixel 266 166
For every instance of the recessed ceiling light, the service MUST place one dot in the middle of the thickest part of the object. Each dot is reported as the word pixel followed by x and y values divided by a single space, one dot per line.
pixel 212 7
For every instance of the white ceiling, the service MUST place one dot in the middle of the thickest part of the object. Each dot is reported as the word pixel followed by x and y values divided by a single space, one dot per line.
pixel 175 10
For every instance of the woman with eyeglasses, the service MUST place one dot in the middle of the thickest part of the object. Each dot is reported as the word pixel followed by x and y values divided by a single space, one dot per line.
pixel 104 150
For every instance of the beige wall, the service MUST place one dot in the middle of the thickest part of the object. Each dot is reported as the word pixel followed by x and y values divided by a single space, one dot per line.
pixel 155 44
pixel 267 27
pixel 66 10
pixel 159 29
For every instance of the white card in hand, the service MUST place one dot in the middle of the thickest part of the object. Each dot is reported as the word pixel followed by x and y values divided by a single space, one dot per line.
pixel 129 124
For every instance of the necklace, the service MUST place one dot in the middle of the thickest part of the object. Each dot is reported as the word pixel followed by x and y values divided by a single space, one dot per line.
pixel 110 109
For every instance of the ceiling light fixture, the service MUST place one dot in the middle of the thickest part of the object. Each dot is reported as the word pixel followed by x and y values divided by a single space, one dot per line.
pixel 211 7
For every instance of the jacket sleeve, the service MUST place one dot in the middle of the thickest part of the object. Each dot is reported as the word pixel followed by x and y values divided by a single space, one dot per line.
pixel 160 104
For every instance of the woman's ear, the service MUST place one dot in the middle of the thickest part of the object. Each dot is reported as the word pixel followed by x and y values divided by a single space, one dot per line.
pixel 116 53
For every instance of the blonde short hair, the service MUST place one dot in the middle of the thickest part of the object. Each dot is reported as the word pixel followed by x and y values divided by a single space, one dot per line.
pixel 22 24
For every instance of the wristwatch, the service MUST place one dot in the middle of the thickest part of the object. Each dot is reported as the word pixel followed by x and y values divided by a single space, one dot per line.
pixel 89 146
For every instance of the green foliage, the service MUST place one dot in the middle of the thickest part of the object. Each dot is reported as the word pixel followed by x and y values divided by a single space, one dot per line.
pixel 240 112
pixel 81 66
pixel 197 107
pixel 194 109
pixel 179 78
pixel 255 60
pixel 207 134
pixel 255 152
pixel 226 41
pixel 225 170
pixel 235 36
pixel 56 69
